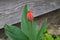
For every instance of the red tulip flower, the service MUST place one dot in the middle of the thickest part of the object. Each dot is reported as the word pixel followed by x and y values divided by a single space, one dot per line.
pixel 29 15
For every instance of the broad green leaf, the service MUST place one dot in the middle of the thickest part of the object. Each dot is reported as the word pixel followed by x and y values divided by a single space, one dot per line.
pixel 27 26
pixel 14 33
pixel 42 29
pixel 34 30
pixel 24 24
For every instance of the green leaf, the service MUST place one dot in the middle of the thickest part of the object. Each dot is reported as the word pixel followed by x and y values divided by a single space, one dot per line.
pixel 42 29
pixel 34 30
pixel 14 33
pixel 24 24
pixel 28 27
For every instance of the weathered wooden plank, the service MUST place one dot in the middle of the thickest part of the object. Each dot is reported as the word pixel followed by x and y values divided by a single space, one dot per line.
pixel 10 10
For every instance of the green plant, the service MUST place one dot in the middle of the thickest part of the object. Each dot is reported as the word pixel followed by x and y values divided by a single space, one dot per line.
pixel 57 38
pixel 29 30
pixel 47 36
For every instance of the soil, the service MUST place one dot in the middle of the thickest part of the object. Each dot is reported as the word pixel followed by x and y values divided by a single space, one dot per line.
pixel 53 23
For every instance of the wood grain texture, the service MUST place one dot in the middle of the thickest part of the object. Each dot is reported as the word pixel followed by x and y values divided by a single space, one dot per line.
pixel 11 10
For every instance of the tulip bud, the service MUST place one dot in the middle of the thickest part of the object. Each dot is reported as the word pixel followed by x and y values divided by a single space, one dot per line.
pixel 29 15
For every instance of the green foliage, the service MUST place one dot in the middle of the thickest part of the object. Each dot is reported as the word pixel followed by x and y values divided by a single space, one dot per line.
pixel 57 38
pixel 14 33
pixel 28 30
pixel 28 27
pixel 47 37
pixel 42 29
